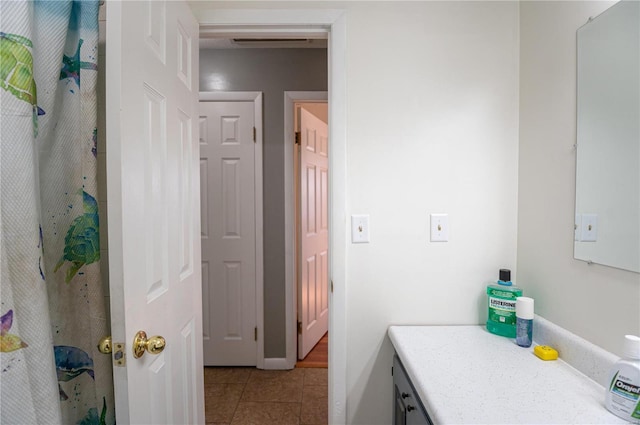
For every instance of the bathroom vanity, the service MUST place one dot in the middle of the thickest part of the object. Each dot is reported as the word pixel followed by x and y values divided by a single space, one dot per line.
pixel 407 406
pixel 466 375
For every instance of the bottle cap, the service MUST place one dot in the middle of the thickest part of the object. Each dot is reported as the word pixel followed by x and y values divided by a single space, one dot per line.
pixel 631 347
pixel 505 275
pixel 524 308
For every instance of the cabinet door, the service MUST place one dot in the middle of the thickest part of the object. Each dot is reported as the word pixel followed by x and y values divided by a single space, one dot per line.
pixel 415 416
pixel 399 411
pixel 408 409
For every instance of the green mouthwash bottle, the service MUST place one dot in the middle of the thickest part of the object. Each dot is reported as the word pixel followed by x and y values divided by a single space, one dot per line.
pixel 502 305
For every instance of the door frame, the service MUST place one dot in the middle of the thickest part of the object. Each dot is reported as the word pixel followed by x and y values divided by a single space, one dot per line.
pixel 256 98
pixel 290 245
pixel 331 23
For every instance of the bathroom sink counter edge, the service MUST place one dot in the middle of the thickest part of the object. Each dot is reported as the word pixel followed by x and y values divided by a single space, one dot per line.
pixel 466 375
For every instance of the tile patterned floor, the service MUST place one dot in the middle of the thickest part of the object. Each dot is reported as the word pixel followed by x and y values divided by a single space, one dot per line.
pixel 244 395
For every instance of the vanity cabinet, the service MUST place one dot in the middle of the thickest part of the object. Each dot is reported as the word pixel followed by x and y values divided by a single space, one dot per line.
pixel 407 407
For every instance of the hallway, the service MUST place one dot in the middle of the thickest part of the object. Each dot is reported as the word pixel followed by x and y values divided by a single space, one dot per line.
pixel 246 395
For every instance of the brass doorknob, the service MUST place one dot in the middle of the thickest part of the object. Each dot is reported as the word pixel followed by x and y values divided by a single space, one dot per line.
pixel 105 345
pixel 153 345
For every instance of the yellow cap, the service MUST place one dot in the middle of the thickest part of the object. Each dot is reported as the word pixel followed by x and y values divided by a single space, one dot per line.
pixel 545 352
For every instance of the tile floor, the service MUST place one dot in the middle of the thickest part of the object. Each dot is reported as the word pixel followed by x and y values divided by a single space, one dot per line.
pixel 244 395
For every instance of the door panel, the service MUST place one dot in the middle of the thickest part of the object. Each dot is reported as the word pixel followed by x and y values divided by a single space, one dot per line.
pixel 313 305
pixel 229 232
pixel 153 208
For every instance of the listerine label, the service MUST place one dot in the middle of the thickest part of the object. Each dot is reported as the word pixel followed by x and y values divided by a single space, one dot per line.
pixel 502 306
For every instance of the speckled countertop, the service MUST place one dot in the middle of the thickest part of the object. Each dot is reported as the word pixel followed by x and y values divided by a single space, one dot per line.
pixel 466 375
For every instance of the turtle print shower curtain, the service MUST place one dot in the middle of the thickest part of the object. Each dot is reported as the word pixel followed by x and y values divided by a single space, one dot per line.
pixel 52 302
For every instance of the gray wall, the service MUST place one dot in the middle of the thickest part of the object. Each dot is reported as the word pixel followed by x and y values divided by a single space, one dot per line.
pixel 271 71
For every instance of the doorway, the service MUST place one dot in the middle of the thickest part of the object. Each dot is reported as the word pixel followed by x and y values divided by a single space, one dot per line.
pixel 312 224
pixel 211 66
pixel 306 124
pixel 275 21
pixel 273 71
pixel 333 24
pixel 231 209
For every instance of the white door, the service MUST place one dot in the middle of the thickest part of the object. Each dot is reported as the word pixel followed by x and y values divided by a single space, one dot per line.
pixel 228 210
pixel 313 280
pixel 153 209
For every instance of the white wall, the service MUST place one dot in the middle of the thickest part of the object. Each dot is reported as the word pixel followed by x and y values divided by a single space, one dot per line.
pixel 599 303
pixel 432 128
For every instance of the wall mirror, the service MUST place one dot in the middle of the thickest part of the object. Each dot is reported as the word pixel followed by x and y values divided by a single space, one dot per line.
pixel 607 227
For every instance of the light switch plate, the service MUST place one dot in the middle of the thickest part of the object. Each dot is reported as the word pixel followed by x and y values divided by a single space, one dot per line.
pixel 589 227
pixel 439 227
pixel 359 228
pixel 577 228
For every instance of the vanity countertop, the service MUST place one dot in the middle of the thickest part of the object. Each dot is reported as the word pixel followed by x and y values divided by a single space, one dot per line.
pixel 466 375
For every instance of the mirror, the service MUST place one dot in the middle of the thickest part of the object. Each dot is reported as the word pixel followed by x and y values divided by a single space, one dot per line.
pixel 607 227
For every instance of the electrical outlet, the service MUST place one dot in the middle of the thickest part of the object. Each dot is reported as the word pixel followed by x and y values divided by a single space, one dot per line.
pixel 439 227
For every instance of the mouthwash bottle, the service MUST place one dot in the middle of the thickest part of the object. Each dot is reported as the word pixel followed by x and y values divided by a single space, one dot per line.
pixel 502 305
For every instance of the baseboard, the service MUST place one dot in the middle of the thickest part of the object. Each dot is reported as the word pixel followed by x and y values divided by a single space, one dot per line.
pixel 277 363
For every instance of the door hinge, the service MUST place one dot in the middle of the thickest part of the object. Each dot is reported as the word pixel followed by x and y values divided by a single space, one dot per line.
pixel 255 333
pixel 391 370
pixel 299 327
pixel 297 141
pixel 332 286
pixel 254 135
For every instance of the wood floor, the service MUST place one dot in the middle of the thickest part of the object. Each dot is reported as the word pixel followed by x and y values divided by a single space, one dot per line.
pixel 318 356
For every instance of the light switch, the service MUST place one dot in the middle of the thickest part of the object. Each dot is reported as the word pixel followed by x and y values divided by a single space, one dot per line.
pixel 589 227
pixel 359 229
pixel 439 227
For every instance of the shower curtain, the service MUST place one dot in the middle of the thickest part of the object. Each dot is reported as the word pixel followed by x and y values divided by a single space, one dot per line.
pixel 52 302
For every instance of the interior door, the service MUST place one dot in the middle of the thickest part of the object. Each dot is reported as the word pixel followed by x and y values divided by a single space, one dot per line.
pixel 153 210
pixel 313 280
pixel 228 211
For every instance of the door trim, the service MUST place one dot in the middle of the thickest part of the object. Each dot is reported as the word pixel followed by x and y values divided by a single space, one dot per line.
pixel 309 23
pixel 291 295
pixel 256 98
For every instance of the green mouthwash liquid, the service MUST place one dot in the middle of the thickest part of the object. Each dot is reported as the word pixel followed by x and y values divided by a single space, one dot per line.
pixel 501 301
